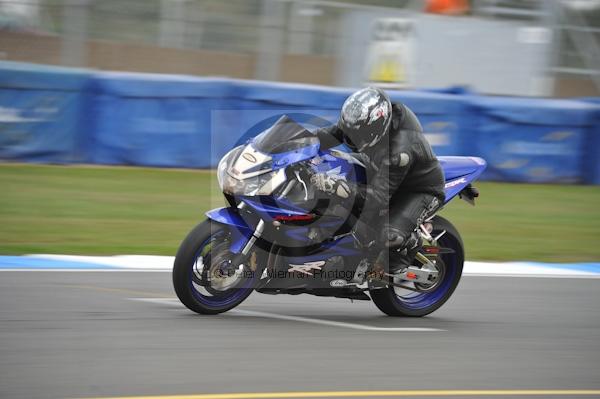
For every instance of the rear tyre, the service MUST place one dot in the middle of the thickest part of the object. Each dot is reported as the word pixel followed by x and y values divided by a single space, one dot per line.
pixel 395 301
pixel 204 278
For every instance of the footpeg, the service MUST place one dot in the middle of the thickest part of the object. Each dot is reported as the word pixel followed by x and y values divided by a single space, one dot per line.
pixel 361 272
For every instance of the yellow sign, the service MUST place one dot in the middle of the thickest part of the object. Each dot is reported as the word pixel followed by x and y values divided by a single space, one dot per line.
pixel 390 59
pixel 388 71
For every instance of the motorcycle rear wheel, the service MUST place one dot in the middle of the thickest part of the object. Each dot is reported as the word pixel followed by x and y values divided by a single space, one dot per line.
pixel 398 302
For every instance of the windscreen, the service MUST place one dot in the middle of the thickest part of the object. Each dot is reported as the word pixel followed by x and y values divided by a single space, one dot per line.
pixel 285 135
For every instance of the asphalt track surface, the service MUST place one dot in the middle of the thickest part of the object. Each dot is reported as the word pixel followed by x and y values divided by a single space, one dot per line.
pixel 112 334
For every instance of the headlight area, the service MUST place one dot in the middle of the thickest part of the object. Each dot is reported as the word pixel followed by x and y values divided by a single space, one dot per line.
pixel 225 163
pixel 261 184
pixel 264 184
pixel 240 177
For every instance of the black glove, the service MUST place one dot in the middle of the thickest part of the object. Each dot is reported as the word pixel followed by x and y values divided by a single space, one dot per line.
pixel 355 158
pixel 331 184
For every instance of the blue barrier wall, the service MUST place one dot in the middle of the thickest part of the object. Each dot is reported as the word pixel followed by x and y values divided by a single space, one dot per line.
pixel 591 154
pixel 531 140
pixel 40 111
pixel 443 117
pixel 64 115
pixel 153 120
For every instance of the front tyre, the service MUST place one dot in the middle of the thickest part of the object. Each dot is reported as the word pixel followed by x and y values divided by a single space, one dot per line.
pixel 395 301
pixel 204 278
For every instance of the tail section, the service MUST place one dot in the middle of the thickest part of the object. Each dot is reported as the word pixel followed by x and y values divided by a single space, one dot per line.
pixel 459 173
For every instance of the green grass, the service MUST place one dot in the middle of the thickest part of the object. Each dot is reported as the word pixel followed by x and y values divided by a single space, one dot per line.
pixel 97 210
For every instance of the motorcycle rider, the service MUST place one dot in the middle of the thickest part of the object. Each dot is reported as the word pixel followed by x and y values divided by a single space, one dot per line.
pixel 405 182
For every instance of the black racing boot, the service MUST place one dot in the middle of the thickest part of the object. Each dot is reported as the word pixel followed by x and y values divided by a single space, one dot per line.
pixel 403 257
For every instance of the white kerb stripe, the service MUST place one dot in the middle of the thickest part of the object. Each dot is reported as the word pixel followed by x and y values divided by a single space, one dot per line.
pixel 244 312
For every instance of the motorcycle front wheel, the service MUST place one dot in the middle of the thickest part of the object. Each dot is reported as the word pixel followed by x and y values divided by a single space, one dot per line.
pixel 204 277
pixel 395 301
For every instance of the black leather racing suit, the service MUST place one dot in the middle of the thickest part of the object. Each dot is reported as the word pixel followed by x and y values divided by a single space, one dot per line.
pixel 404 177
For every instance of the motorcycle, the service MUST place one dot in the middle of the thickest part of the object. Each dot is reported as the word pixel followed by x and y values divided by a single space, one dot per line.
pixel 279 236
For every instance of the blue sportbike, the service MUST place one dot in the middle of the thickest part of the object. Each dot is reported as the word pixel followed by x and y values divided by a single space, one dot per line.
pixel 278 235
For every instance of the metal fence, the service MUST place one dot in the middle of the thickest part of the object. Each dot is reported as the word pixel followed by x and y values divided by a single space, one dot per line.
pixel 298 40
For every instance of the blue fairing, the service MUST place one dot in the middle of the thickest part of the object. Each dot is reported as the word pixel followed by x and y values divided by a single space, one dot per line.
pixel 287 158
pixel 269 207
pixel 326 162
pixel 345 246
pixel 459 172
pixel 461 166
pixel 240 231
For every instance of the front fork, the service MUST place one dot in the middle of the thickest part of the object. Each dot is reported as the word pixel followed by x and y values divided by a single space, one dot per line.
pixel 245 254
pixel 260 227
pixel 243 236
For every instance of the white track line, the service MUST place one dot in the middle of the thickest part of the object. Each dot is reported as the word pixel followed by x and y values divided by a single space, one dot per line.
pixel 129 262
pixel 87 270
pixel 334 323
pixel 353 326
pixel 147 263
pixel 465 275
pixel 561 276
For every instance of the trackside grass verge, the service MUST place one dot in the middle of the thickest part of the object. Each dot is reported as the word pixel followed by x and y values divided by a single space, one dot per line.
pixel 107 210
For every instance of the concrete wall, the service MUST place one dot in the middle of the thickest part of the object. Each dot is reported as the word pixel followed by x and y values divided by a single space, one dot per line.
pixel 464 56
pixel 118 56
pixel 144 58
pixel 39 49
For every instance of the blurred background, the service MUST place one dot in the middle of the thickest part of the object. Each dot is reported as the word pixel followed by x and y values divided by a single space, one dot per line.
pixel 509 47
pixel 174 84
pixel 115 113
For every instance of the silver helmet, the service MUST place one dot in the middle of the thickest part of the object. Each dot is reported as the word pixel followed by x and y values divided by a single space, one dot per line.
pixel 365 118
